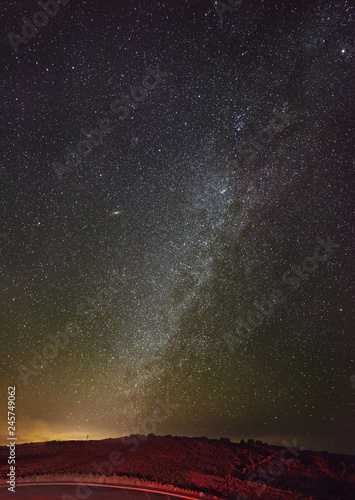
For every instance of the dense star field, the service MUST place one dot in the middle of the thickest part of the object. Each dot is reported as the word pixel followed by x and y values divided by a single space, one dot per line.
pixel 177 220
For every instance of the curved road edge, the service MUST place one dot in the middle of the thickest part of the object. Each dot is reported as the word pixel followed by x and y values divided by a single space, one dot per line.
pixel 176 492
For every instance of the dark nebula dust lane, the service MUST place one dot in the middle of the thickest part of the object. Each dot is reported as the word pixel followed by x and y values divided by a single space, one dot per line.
pixel 177 220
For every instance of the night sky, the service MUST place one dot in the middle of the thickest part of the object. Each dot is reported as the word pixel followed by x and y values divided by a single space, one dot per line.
pixel 189 269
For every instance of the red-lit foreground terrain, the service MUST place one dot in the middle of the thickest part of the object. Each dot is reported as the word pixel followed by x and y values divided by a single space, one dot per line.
pixel 186 466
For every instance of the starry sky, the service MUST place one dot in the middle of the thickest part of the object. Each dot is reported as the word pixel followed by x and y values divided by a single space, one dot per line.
pixel 186 270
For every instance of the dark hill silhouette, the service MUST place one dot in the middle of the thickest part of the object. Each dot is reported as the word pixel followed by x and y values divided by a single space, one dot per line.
pixel 214 467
